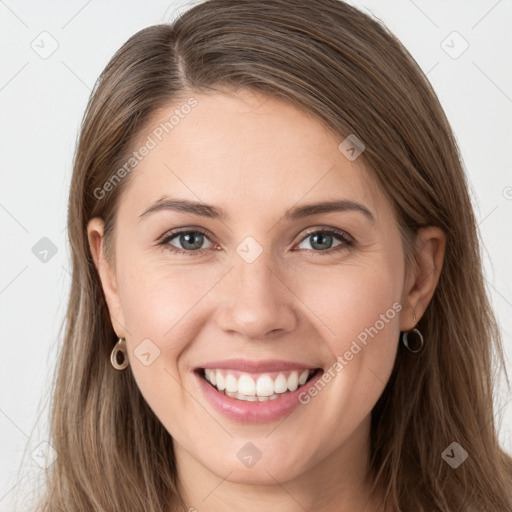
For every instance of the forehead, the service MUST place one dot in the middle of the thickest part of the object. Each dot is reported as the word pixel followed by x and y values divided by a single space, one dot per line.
pixel 245 151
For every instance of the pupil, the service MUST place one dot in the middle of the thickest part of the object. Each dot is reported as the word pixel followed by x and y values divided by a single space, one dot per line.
pixel 321 237
pixel 191 235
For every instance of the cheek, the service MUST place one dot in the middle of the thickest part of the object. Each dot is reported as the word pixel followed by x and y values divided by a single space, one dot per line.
pixel 160 301
pixel 358 311
pixel 344 397
pixel 160 307
pixel 354 302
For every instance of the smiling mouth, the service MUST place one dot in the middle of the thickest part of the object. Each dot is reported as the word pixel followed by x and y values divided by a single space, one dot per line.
pixel 256 387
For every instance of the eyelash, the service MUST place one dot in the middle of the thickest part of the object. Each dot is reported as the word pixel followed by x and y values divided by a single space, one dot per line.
pixel 347 242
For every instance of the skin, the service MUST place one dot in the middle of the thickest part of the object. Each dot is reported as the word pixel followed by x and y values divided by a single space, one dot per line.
pixel 256 157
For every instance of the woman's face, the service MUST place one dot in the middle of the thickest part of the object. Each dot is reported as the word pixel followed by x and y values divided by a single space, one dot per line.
pixel 262 283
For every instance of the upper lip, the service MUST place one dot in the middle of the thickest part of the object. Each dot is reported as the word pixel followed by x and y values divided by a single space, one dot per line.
pixel 251 366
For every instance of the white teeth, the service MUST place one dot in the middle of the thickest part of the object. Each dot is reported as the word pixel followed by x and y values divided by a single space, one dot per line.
pixel 220 381
pixel 281 384
pixel 265 388
pixel 231 383
pixel 210 375
pixel 242 397
pixel 247 387
pixel 293 381
pixel 247 398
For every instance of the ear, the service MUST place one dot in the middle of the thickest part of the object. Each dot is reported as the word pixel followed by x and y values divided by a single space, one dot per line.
pixel 422 280
pixel 95 230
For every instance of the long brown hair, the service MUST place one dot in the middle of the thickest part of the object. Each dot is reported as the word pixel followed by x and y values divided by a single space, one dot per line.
pixel 347 69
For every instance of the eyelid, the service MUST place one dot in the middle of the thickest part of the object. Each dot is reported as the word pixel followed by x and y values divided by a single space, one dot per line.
pixel 187 229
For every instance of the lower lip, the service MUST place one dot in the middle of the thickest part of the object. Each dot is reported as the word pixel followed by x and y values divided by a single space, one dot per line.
pixel 244 411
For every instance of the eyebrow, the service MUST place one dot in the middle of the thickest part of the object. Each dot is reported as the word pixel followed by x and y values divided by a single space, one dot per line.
pixel 297 212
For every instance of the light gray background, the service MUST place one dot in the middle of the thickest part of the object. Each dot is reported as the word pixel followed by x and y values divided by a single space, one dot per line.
pixel 42 102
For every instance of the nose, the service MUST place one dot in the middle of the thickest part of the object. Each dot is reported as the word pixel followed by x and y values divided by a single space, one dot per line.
pixel 256 303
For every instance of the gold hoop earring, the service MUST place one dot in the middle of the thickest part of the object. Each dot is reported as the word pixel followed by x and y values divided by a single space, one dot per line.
pixel 119 356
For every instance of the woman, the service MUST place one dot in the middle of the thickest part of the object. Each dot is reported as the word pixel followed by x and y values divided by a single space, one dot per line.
pixel 277 298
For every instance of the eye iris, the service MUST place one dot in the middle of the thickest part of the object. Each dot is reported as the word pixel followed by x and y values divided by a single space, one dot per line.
pixel 185 239
pixel 321 237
